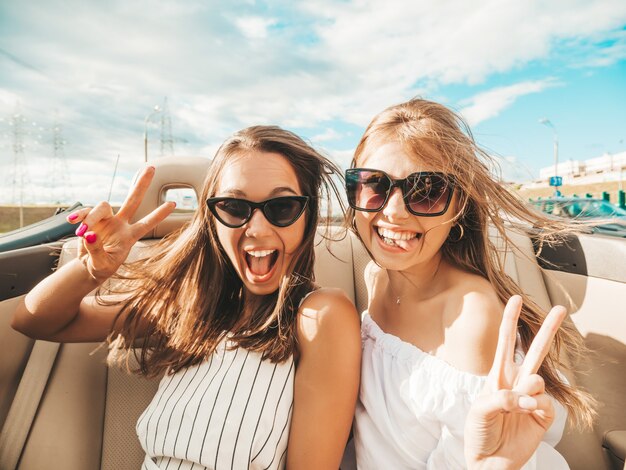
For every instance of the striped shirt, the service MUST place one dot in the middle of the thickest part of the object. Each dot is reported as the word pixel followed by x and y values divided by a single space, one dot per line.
pixel 231 411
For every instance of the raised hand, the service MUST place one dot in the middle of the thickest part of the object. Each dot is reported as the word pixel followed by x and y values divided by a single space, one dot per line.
pixel 107 237
pixel 508 420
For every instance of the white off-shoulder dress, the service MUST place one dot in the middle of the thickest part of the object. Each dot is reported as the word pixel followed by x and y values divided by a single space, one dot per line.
pixel 412 409
pixel 232 411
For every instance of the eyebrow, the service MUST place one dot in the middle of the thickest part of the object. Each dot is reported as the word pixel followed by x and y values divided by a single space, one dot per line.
pixel 238 193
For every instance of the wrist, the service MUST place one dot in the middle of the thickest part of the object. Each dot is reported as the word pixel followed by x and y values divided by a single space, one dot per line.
pixel 94 280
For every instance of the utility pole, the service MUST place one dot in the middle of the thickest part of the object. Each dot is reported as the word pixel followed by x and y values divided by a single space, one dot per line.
pixel 154 111
pixel 557 182
pixel 167 141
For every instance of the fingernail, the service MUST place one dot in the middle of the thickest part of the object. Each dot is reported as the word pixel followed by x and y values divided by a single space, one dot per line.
pixel 80 231
pixel 527 403
pixel 73 216
pixel 90 237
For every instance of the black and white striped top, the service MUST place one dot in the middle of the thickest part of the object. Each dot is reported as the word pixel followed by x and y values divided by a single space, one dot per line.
pixel 232 411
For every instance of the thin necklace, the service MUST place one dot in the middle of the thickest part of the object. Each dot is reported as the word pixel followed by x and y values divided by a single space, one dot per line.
pixel 393 292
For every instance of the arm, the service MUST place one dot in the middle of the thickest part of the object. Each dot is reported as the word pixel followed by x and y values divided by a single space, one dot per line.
pixel 327 381
pixel 508 420
pixel 57 308
pixel 473 340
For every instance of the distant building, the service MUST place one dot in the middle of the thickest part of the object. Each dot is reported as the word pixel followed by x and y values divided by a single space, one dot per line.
pixel 608 167
pixel 567 168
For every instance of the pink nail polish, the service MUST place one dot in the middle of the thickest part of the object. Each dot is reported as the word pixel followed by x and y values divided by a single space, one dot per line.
pixel 73 216
pixel 90 237
pixel 80 231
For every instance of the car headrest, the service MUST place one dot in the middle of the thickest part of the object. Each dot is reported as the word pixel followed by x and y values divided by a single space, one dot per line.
pixel 172 173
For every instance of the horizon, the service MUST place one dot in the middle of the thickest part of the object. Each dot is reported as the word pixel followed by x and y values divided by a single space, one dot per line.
pixel 321 69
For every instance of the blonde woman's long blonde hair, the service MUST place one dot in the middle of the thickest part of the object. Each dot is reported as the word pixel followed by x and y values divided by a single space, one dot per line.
pixel 436 135
pixel 187 291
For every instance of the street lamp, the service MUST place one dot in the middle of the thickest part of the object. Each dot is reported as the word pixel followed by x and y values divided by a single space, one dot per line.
pixel 546 122
pixel 155 110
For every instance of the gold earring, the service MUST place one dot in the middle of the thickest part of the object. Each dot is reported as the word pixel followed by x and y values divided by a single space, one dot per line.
pixel 460 236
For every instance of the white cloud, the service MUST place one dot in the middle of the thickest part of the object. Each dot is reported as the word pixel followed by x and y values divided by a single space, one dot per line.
pixel 342 157
pixel 490 103
pixel 254 27
pixel 453 41
pixel 328 134
pixel 8 99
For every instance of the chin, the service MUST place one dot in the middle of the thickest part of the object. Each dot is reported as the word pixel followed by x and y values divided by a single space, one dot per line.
pixel 255 289
pixel 394 264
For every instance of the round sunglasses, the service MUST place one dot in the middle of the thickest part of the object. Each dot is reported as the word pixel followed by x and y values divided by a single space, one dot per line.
pixel 425 193
pixel 279 211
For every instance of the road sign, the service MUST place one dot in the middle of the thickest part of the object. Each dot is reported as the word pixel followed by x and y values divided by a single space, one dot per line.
pixel 556 181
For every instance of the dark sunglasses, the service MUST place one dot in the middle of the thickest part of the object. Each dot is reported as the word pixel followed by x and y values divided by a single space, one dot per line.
pixel 426 193
pixel 279 211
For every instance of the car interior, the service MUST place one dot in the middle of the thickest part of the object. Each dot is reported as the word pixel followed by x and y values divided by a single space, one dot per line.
pixel 62 407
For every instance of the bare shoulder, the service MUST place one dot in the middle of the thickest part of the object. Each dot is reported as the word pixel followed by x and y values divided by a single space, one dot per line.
pixel 473 318
pixel 327 315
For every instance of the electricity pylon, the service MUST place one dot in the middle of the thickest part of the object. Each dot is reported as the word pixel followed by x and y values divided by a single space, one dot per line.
pixel 61 191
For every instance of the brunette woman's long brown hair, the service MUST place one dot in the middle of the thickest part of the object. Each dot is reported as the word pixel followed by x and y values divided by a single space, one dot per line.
pixel 189 295
pixel 436 135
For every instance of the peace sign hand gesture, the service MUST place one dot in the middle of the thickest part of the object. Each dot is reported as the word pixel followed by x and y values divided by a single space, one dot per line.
pixel 107 237
pixel 507 421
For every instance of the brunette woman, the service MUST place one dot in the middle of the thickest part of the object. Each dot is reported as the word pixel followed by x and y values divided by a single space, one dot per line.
pixel 260 366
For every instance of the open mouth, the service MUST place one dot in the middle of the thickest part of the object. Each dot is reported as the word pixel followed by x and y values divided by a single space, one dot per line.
pixel 404 239
pixel 261 262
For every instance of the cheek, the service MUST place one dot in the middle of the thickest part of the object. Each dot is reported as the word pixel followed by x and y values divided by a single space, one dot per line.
pixel 228 240
pixel 363 221
pixel 438 232
pixel 293 236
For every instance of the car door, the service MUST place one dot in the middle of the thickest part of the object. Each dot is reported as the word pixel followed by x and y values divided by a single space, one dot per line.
pixel 26 257
pixel 587 273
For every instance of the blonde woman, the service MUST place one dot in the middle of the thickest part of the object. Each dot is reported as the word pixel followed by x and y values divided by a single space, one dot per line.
pixel 437 348
pixel 260 367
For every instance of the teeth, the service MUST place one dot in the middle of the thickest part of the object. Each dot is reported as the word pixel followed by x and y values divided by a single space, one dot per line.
pixel 393 235
pixel 260 253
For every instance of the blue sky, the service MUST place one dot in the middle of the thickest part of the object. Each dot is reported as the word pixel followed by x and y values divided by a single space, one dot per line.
pixel 95 70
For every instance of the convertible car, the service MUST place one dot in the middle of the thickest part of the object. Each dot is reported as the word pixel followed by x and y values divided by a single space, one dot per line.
pixel 61 407
pixel 585 209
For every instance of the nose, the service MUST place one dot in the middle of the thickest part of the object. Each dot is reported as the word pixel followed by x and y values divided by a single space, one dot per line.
pixel 395 208
pixel 258 226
